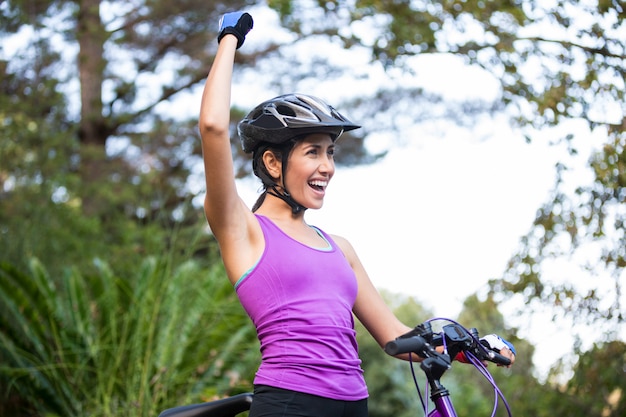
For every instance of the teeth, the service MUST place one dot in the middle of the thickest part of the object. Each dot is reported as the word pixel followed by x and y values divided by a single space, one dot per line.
pixel 319 183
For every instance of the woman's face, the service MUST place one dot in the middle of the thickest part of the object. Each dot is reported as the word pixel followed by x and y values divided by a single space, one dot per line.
pixel 311 166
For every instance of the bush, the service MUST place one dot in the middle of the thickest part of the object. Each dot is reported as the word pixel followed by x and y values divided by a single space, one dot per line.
pixel 103 346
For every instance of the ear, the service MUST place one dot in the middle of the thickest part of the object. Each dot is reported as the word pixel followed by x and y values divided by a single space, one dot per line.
pixel 273 165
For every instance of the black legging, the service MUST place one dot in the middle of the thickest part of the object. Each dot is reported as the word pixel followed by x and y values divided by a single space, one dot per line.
pixel 276 402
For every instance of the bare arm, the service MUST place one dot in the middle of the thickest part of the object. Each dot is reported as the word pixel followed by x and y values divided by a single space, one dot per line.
pixel 222 204
pixel 231 221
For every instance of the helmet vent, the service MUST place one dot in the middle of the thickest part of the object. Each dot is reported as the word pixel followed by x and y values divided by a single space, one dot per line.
pixel 256 114
pixel 285 110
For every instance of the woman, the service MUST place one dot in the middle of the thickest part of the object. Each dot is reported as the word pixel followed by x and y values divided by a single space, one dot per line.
pixel 299 285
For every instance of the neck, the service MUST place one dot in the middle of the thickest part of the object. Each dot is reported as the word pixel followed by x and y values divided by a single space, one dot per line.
pixel 275 208
pixel 296 208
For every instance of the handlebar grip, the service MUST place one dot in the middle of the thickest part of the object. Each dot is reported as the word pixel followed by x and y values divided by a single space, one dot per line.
pixel 415 344
pixel 497 358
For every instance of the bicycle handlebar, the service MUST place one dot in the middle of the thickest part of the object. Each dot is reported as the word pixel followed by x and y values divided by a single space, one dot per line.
pixel 455 338
pixel 437 351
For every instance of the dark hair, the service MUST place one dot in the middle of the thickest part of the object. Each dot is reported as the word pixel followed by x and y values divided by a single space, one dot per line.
pixel 259 169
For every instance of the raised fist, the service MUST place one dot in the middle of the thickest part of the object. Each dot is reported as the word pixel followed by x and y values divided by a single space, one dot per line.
pixel 237 24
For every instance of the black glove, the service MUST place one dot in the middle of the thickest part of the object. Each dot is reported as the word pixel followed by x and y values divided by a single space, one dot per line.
pixel 235 23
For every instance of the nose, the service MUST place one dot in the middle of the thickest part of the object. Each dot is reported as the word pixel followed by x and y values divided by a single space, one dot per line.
pixel 327 165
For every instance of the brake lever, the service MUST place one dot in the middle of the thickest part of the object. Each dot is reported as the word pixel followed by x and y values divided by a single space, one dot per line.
pixel 493 355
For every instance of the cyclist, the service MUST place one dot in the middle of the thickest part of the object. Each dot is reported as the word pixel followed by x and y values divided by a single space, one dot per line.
pixel 299 285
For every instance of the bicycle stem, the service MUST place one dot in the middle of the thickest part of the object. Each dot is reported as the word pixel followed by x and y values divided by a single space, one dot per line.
pixel 434 368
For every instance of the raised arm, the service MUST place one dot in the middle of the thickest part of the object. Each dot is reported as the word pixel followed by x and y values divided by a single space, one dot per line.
pixel 231 221
pixel 224 210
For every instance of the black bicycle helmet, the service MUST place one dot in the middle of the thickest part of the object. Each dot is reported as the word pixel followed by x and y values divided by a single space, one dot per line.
pixel 284 117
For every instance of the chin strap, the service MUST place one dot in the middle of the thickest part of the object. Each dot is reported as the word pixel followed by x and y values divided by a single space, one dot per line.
pixel 287 198
pixel 281 192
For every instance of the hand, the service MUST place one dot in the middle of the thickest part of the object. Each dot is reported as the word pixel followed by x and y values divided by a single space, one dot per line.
pixel 493 343
pixel 499 345
pixel 237 24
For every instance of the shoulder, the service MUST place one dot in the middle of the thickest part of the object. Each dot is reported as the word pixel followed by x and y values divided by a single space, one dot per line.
pixel 346 247
pixel 241 245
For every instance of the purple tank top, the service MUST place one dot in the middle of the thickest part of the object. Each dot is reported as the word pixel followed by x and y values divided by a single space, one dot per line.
pixel 300 300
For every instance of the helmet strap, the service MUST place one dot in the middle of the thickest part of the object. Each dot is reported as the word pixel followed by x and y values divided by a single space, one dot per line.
pixel 280 191
pixel 287 198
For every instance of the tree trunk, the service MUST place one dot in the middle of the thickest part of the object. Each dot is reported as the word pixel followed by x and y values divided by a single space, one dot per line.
pixel 91 36
pixel 93 131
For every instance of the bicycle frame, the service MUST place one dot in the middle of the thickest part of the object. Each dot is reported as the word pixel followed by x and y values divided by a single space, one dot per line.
pixel 225 407
pixel 443 408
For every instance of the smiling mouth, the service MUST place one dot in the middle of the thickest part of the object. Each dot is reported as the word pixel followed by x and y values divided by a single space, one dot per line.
pixel 318 185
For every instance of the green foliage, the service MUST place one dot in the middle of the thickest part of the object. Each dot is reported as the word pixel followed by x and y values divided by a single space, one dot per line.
pixel 59 234
pixel 43 210
pixel 101 345
pixel 589 221
pixel 597 387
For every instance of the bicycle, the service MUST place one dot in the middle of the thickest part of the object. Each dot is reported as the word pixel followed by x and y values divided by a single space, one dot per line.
pixel 456 342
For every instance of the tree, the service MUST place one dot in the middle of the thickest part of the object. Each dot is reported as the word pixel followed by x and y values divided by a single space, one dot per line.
pixel 593 379
pixel 596 387
pixel 35 149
